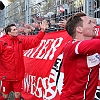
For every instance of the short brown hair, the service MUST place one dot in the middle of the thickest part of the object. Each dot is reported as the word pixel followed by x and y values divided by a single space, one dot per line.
pixel 73 22
pixel 8 28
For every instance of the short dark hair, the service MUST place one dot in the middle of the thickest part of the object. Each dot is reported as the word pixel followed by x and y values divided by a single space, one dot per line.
pixel 8 28
pixel 2 6
pixel 73 22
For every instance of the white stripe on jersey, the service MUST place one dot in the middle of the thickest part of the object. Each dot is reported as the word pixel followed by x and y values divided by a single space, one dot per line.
pixel 87 84
pixel 76 48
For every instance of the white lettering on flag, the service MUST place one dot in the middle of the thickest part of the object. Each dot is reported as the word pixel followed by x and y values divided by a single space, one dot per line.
pixel 49 85
pixel 45 50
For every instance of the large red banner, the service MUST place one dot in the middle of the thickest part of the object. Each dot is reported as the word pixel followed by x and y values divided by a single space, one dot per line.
pixel 43 67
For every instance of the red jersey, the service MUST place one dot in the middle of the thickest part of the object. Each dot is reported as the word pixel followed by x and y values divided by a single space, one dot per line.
pixel 81 69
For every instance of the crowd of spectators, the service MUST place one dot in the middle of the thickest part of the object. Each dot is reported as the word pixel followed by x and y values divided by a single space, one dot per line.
pixel 53 20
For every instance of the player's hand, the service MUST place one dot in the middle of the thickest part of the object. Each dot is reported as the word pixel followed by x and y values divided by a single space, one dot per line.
pixel 44 25
pixel 62 23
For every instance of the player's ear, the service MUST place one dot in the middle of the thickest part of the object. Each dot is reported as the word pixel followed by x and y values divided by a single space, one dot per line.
pixel 79 29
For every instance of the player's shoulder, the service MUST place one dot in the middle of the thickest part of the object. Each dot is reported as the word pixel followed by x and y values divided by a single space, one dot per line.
pixel 71 42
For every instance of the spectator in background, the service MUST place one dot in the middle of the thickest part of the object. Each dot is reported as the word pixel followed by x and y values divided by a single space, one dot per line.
pixel 64 21
pixel 35 25
pixel 29 29
pixel 64 14
pixel 81 59
pixel 25 29
pixel 21 30
pixel 53 25
pixel 11 58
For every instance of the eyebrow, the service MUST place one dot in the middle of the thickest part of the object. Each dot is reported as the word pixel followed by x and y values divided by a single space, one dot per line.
pixel 14 29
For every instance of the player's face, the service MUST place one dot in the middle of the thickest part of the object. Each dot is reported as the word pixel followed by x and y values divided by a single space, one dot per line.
pixel 14 31
pixel 88 27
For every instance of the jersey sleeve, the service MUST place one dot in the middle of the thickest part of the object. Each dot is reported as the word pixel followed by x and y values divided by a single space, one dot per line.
pixel 29 43
pixel 1 46
pixel 88 47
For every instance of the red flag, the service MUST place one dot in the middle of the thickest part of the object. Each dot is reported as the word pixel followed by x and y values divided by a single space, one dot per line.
pixel 43 66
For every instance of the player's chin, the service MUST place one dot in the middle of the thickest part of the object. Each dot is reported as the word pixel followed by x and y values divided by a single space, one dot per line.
pixel 16 35
pixel 94 34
